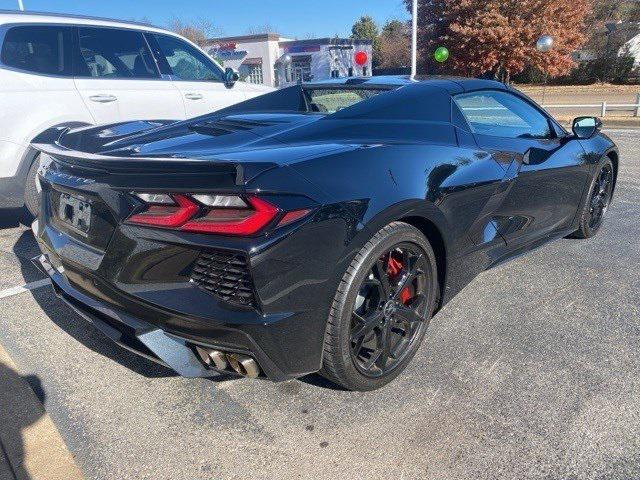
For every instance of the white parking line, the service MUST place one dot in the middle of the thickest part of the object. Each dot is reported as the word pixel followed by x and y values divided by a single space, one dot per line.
pixel 10 292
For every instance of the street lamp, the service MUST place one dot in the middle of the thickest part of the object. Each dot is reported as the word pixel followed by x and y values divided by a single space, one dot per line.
pixel 414 39
pixel 544 45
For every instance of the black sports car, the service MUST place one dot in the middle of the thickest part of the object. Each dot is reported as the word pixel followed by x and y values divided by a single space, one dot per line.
pixel 316 228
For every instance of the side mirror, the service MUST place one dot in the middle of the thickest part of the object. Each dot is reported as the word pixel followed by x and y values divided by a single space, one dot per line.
pixel 230 77
pixel 586 127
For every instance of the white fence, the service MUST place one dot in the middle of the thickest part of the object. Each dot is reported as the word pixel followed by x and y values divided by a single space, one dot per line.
pixel 606 107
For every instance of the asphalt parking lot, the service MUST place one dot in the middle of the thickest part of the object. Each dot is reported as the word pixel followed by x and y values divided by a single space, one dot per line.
pixel 533 371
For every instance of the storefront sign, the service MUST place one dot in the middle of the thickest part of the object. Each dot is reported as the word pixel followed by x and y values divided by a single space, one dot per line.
pixel 301 48
pixel 231 54
pixel 225 46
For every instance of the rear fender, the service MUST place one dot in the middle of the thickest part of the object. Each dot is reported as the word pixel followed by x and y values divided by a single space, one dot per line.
pixel 426 211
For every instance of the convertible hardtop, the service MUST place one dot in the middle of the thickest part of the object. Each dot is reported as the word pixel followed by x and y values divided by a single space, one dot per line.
pixel 274 121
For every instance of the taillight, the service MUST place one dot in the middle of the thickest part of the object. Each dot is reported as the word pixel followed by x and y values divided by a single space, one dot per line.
pixel 166 214
pixel 293 216
pixel 217 214
pixel 233 220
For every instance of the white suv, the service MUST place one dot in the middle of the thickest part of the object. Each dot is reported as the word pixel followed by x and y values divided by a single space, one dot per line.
pixel 65 71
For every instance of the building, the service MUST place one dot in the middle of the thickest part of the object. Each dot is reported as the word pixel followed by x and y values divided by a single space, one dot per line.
pixel 632 48
pixel 273 60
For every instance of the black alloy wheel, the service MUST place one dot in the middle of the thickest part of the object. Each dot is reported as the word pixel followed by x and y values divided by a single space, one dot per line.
pixel 598 201
pixel 381 310
pixel 390 310
pixel 600 196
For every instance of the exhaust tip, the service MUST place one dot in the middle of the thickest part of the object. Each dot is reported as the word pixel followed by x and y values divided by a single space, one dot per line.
pixel 241 364
pixel 219 359
pixel 244 365
pixel 213 358
pixel 204 356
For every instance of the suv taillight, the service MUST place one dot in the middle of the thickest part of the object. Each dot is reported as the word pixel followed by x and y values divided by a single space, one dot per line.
pixel 216 214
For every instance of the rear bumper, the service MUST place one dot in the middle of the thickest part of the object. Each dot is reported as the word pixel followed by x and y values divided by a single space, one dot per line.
pixel 265 296
pixel 149 340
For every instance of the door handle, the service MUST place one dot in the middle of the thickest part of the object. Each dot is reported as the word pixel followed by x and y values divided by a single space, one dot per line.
pixel 103 98
pixel 193 96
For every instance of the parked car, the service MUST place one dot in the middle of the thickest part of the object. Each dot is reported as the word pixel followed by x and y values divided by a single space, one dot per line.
pixel 65 71
pixel 318 227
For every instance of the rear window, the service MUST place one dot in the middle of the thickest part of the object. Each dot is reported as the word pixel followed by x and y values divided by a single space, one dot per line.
pixel 113 53
pixel 39 49
pixel 330 100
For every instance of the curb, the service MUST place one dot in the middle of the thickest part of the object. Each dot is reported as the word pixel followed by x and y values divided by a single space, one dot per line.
pixel 31 447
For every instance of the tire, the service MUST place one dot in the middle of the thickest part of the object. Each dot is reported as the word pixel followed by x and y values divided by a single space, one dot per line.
pixel 31 195
pixel 597 202
pixel 343 350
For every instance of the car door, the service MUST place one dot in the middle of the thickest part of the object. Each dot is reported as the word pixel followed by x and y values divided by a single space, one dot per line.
pixel 119 80
pixel 199 80
pixel 545 170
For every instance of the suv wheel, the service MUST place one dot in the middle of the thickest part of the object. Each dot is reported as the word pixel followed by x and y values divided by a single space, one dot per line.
pixel 31 195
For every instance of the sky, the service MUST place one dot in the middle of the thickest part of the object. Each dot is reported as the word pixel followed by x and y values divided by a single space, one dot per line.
pixel 294 18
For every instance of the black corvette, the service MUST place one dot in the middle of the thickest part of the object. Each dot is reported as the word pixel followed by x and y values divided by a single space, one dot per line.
pixel 316 228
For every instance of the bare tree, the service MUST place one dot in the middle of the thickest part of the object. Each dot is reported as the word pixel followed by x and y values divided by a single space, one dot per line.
pixel 198 31
pixel 395 45
pixel 264 28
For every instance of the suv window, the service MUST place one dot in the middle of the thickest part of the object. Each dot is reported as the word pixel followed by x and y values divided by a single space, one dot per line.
pixel 113 53
pixel 187 63
pixel 502 114
pixel 40 49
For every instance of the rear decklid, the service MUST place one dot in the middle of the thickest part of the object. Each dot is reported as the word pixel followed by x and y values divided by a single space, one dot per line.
pixel 85 196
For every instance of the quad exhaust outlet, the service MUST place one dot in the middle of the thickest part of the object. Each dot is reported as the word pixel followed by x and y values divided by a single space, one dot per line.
pixel 244 365
pixel 241 364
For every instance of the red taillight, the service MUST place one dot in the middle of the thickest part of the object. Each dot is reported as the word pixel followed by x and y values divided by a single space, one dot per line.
pixel 210 214
pixel 234 221
pixel 293 216
pixel 167 216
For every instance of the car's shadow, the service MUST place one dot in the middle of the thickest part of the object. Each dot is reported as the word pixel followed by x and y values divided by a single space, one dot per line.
pixel 12 217
pixel 25 249
pixel 318 380
pixel 18 415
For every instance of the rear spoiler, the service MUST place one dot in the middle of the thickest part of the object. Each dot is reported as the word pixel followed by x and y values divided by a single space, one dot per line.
pixel 107 164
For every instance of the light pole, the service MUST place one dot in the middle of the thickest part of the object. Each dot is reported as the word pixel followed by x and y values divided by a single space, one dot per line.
pixel 21 5
pixel 544 45
pixel 414 39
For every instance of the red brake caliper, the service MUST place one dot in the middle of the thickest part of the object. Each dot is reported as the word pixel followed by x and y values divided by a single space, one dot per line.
pixel 394 267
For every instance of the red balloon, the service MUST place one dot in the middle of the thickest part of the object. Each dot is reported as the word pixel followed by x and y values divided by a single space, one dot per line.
pixel 361 58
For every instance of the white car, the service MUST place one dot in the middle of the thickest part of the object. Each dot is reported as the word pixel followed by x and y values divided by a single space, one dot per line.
pixel 65 71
